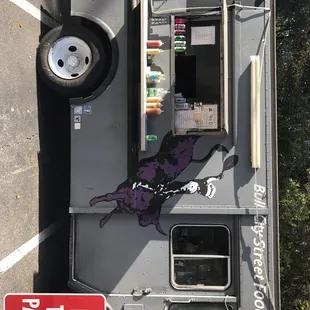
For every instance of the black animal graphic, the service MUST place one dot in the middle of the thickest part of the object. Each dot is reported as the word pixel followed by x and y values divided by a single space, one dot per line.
pixel 153 184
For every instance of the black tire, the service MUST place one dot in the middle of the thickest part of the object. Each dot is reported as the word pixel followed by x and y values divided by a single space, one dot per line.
pixel 84 85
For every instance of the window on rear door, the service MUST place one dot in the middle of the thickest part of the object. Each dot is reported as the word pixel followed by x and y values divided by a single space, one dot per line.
pixel 200 257
pixel 201 306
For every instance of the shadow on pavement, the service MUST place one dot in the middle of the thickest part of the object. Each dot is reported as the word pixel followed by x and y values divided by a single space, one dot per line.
pixel 54 173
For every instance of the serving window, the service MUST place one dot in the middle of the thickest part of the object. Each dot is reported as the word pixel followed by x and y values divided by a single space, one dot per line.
pixel 200 74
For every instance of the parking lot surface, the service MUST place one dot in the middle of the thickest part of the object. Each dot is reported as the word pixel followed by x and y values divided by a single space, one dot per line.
pixel 34 152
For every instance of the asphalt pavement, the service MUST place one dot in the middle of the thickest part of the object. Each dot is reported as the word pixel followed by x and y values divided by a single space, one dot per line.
pixel 34 155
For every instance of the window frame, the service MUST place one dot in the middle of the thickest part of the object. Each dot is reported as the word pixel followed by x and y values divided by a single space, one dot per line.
pixel 198 287
pixel 208 305
pixel 223 107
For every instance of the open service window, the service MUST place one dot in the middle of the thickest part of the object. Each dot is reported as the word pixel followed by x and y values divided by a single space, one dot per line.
pixel 200 74
pixel 200 257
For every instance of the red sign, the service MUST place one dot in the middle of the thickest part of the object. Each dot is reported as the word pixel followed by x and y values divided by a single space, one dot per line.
pixel 54 302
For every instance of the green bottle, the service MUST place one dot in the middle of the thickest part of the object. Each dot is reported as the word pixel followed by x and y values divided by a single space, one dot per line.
pixel 180 43
pixel 180 49
pixel 155 92
pixel 179 38
pixel 151 138
pixel 152 92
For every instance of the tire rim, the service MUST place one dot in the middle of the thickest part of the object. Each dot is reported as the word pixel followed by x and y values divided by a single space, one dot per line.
pixel 69 57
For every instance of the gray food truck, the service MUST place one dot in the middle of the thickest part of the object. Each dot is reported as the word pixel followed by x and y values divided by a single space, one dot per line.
pixel 173 151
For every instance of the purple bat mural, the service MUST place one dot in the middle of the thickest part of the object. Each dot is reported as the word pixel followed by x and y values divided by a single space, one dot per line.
pixel 153 184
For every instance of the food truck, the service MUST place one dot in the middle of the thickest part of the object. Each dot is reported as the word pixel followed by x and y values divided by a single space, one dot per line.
pixel 173 151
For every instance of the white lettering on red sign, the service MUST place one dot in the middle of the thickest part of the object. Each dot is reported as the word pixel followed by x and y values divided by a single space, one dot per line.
pixel 32 303
pixel 35 303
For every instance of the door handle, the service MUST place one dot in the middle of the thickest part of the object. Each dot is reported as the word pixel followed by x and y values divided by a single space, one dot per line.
pixel 179 301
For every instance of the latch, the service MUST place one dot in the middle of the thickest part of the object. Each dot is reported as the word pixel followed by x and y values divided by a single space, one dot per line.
pixel 141 292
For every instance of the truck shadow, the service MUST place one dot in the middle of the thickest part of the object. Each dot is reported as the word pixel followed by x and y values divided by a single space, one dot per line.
pixel 54 173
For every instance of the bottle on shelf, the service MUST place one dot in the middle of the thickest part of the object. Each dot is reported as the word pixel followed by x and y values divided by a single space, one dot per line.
pixel 180 49
pixel 154 51
pixel 180 100
pixel 179 32
pixel 150 138
pixel 180 43
pixel 180 26
pixel 154 99
pixel 154 111
pixel 156 92
pixel 153 105
pixel 154 43
pixel 180 20
pixel 179 38
pixel 182 106
pixel 154 76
